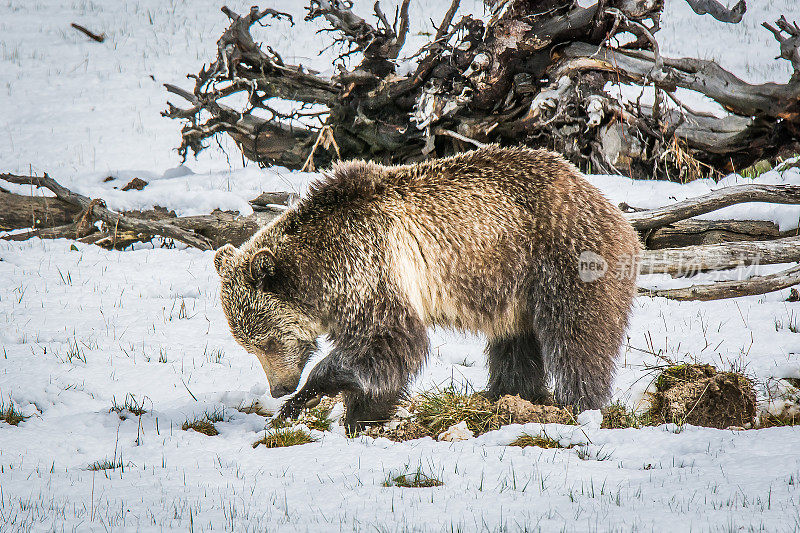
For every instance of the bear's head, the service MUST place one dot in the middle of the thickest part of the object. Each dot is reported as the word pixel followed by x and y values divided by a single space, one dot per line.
pixel 263 315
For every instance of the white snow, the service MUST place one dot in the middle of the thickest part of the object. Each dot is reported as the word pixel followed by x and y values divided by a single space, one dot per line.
pixel 81 330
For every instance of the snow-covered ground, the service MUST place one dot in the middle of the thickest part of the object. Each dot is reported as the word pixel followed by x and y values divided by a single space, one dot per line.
pixel 81 330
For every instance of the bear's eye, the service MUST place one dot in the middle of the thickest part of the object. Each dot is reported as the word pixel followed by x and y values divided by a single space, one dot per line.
pixel 270 346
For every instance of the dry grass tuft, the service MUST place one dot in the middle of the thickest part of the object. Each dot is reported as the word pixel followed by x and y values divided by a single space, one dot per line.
pixel 541 441
pixel 200 425
pixel 431 413
pixel 10 415
pixel 618 416
pixel 130 405
pixel 106 465
pixel 439 409
pixel 413 480
pixel 770 420
pixel 282 437
pixel 205 423
pixel 317 418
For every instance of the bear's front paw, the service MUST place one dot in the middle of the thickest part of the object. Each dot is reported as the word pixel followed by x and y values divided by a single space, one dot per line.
pixel 291 408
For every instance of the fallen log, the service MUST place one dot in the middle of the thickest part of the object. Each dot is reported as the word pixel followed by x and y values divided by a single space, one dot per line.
pixel 97 209
pixel 694 232
pixel 724 197
pixel 731 289
pixel 67 231
pixel 693 259
pixel 58 218
pixel 20 211
pixel 225 227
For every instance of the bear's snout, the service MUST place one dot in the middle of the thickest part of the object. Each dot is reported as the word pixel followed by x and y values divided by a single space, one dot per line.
pixel 282 389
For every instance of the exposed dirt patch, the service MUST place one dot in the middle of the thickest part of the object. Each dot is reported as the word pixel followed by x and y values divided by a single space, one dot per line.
pixel 522 412
pixel 702 396
pixel 136 184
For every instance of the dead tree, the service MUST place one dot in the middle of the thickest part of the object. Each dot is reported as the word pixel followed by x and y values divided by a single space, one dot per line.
pixel 533 73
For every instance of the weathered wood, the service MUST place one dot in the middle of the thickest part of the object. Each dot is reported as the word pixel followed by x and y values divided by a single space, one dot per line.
pixel 20 211
pixel 115 220
pixel 732 289
pixel 67 231
pixel 790 45
pixel 492 80
pixel 703 76
pixel 219 228
pixel 223 227
pixel 693 232
pixel 724 197
pixel 692 259
pixel 718 11
pixel 274 201
pixel 53 218
pixel 97 37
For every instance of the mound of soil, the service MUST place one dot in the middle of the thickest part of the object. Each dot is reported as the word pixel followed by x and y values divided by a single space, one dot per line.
pixel 702 396
pixel 522 411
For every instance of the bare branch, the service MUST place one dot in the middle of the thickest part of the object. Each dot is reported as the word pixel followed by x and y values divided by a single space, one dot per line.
pixel 703 76
pixel 444 27
pixel 642 32
pixel 718 11
pixel 790 46
pixel 455 135
pixel 90 34
pixel 401 32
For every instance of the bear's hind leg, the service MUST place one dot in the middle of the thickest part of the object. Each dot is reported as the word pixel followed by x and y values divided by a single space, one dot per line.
pixel 580 352
pixel 516 366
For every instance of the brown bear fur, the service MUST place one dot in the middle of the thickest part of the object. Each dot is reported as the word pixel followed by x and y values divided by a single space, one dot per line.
pixel 486 241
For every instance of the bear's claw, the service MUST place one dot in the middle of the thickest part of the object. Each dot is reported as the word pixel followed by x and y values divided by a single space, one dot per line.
pixel 291 409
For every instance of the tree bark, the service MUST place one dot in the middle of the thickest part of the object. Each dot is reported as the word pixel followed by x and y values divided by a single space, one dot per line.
pixel 693 232
pixel 18 211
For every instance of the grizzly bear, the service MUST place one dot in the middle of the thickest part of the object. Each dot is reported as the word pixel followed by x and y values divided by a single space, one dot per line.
pixel 512 243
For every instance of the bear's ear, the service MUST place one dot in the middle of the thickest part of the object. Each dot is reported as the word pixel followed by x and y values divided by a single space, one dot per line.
pixel 222 256
pixel 262 270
